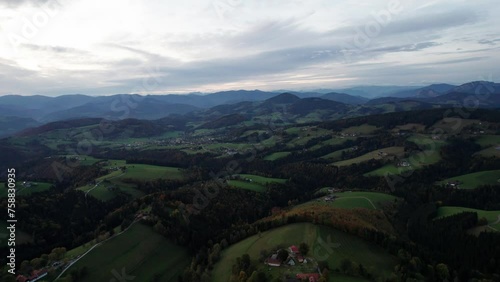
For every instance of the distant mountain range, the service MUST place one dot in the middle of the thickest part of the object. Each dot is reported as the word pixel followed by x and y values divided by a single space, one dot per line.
pixel 20 112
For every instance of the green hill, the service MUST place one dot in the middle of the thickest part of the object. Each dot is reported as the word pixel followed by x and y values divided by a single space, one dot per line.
pixel 341 246
pixel 140 252
pixel 473 180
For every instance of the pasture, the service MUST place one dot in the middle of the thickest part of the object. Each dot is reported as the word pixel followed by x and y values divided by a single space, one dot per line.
pixel 351 200
pixel 276 156
pixel 363 129
pixel 493 217
pixel 253 182
pixel 473 180
pixel 429 155
pixel 377 155
pixel 107 186
pixel 488 140
pixel 141 252
pixel 21 190
pixel 341 246
pixel 454 125
pixel 490 152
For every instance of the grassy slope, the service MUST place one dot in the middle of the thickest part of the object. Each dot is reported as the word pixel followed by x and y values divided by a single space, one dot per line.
pixel 25 191
pixel 362 129
pixel 473 180
pixel 488 140
pixel 350 247
pixel 140 251
pixel 258 183
pixel 350 200
pixel 134 171
pixel 493 217
pixel 276 156
pixel 490 152
pixel 372 155
pixel 429 155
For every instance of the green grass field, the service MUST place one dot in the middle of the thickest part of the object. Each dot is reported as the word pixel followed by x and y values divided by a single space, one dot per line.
pixel 117 179
pixel 141 252
pixel 390 151
pixel 488 140
pixel 150 172
pixel 473 180
pixel 362 129
pixel 258 183
pixel 490 152
pixel 454 125
pixel 493 217
pixel 276 156
pixel 37 187
pixel 336 155
pixel 415 127
pixel 344 245
pixel 351 200
pixel 429 155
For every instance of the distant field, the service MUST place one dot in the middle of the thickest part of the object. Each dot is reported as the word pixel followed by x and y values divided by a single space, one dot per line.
pixel 334 155
pixel 346 246
pixel 454 125
pixel 351 200
pixel 82 159
pixel 490 152
pixel 362 129
pixel 429 155
pixel 305 134
pixel 258 182
pixel 25 191
pixel 488 140
pixel 391 151
pixel 134 171
pixel 493 217
pixel 276 156
pixel 141 252
pixel 149 172
pixel 415 127
pixel 473 180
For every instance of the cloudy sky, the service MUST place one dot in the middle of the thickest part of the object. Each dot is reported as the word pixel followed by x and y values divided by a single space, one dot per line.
pixel 101 47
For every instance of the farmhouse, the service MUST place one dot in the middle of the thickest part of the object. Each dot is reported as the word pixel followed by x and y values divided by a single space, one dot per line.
pixel 404 164
pixel 273 261
pixel 293 250
pixel 330 198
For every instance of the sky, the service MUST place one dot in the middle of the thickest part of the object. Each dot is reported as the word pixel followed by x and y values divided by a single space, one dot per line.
pixel 104 47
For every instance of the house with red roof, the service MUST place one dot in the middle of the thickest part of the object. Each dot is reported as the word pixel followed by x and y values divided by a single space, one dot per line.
pixel 294 250
pixel 311 277
pixel 273 261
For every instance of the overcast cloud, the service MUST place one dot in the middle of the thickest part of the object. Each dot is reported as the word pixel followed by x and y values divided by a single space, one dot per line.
pixel 96 47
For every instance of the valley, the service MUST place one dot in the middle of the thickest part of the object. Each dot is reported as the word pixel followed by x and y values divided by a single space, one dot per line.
pixel 213 195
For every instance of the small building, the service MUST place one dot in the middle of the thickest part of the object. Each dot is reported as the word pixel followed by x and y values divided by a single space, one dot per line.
pixel 294 250
pixel 300 258
pixel 291 262
pixel 404 164
pixel 273 261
